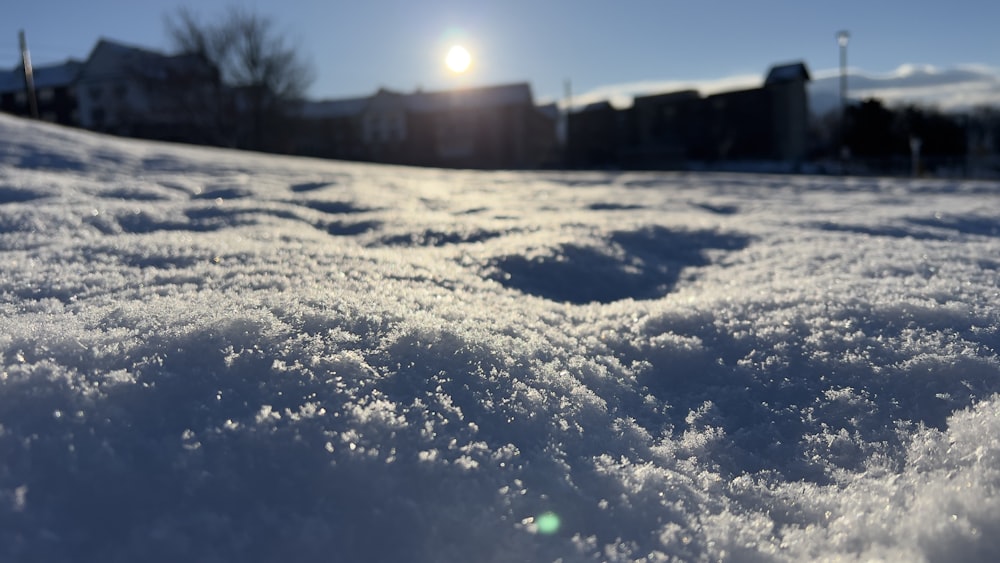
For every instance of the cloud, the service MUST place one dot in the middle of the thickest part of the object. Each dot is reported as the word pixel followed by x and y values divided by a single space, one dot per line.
pixel 951 89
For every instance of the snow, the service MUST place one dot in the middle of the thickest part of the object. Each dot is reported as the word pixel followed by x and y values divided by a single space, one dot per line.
pixel 210 355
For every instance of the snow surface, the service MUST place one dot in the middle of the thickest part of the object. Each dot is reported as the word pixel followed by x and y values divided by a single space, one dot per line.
pixel 219 356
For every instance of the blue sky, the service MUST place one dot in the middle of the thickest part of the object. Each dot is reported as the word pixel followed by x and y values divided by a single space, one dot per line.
pixel 357 47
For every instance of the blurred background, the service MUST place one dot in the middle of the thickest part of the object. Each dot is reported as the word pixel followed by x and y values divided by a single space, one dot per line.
pixel 902 88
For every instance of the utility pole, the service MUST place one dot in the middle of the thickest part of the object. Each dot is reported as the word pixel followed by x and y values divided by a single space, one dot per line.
pixel 29 80
pixel 568 90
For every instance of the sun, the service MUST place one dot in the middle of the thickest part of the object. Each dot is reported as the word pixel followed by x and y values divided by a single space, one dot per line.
pixel 458 59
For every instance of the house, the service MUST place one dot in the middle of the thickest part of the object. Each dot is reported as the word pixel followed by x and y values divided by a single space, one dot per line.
pixel 682 129
pixel 487 127
pixel 668 130
pixel 786 85
pixel 594 136
pixel 769 123
pixel 384 129
pixel 331 129
pixel 55 94
pixel 739 126
pixel 131 91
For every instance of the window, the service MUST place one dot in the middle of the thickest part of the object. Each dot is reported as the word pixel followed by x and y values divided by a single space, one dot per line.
pixel 46 95
pixel 384 127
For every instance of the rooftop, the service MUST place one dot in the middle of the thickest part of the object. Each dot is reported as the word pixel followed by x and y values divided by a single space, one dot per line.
pixel 47 76
pixel 426 102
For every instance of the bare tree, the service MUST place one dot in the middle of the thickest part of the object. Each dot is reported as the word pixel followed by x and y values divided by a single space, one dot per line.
pixel 263 76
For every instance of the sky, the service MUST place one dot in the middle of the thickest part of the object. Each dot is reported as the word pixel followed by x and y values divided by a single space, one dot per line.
pixel 213 355
pixel 356 48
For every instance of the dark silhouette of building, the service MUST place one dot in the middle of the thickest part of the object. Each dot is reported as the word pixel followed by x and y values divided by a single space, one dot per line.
pixel 331 129
pixel 132 91
pixel 682 129
pixel 789 102
pixel 669 130
pixel 120 89
pixel 55 93
pixel 595 136
pixel 488 127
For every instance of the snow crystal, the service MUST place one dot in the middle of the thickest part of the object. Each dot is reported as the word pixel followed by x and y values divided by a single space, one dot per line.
pixel 214 356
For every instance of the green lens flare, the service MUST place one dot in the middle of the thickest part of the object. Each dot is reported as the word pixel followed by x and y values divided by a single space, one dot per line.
pixel 547 523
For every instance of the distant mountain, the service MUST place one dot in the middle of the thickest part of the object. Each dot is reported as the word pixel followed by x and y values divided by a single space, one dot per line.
pixel 951 89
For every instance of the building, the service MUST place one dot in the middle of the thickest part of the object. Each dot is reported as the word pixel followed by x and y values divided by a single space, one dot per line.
pixel 331 129
pixel 488 127
pixel 594 136
pixel 131 91
pixel 983 142
pixel 667 130
pixel 683 129
pixel 786 86
pixel 55 94
pixel 122 90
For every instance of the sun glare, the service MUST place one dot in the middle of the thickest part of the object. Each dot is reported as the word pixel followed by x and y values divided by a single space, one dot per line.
pixel 458 59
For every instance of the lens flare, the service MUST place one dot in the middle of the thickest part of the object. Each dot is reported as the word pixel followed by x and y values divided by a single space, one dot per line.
pixel 547 523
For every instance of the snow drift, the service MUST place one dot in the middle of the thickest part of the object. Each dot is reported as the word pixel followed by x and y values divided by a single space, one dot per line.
pixel 209 355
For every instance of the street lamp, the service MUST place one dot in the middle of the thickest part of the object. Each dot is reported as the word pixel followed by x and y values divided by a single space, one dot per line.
pixel 842 37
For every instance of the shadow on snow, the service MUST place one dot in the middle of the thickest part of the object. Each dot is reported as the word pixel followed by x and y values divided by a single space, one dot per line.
pixel 642 264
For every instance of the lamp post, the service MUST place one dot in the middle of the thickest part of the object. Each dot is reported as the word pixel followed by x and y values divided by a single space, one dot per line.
pixel 842 37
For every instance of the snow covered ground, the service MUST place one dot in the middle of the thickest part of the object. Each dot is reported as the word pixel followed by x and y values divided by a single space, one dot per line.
pixel 209 355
